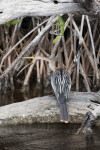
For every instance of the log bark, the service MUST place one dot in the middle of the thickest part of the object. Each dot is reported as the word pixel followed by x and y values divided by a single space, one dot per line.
pixel 10 10
pixel 93 6
pixel 46 110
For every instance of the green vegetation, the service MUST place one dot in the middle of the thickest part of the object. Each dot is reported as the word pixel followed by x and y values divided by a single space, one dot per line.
pixel 8 24
pixel 62 25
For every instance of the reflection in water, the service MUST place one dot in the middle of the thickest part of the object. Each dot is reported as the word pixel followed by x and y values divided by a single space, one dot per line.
pixel 46 137
pixel 17 95
pixel 90 141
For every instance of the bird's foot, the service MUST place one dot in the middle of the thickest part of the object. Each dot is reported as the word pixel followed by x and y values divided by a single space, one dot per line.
pixel 65 121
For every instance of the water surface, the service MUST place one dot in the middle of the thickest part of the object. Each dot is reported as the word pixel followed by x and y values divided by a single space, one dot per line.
pixel 47 137
pixel 17 95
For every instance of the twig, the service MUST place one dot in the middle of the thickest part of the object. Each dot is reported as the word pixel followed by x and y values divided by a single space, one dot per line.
pixel 65 51
pixel 31 46
pixel 23 69
pixel 93 48
pixel 83 42
pixel 11 50
pixel 82 24
pixel 85 78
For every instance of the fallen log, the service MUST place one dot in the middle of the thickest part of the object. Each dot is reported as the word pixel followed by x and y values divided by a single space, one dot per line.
pixel 46 110
pixel 10 10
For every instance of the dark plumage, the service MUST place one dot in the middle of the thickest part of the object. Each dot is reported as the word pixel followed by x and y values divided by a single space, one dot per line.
pixel 61 84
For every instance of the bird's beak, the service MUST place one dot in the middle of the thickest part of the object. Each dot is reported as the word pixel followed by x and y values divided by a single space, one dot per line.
pixel 29 57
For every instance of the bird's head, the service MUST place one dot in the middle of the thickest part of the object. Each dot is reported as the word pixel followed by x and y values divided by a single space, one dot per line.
pixel 52 62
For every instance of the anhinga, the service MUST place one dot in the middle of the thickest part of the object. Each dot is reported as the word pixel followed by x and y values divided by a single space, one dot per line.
pixel 61 84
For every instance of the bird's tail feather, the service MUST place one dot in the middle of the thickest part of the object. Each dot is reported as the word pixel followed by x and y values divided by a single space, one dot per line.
pixel 64 113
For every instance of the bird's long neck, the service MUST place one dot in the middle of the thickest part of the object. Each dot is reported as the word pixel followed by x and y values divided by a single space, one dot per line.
pixel 52 62
pixel 52 65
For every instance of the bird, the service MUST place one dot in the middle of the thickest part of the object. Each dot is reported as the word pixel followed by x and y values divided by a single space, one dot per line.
pixel 61 84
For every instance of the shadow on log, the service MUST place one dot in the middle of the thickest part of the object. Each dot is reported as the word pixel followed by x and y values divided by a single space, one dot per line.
pixel 45 109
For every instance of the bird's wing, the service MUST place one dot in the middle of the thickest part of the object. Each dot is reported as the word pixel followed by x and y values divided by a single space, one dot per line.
pixel 67 85
pixel 61 83
pixel 54 84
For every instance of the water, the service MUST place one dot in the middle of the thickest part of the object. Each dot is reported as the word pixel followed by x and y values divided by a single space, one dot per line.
pixel 42 136
pixel 9 97
pixel 47 137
